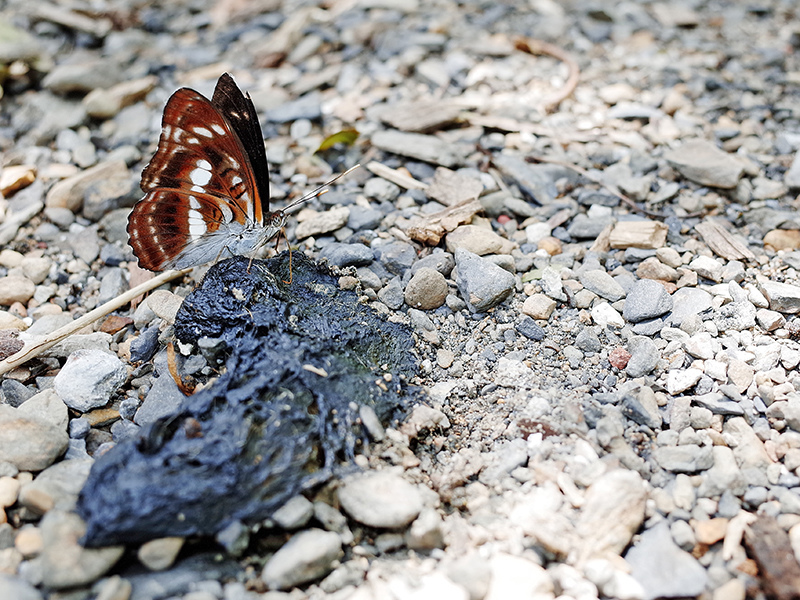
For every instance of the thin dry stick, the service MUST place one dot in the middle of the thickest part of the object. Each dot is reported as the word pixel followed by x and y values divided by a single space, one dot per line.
pixel 396 177
pixel 611 189
pixel 598 181
pixel 539 47
pixel 29 352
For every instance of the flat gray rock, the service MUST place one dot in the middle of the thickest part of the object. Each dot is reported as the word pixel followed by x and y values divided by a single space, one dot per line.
pixel 647 300
pixel 687 458
pixel 57 486
pixel 602 284
pixel 663 569
pixel 640 405
pixel 381 190
pixel 441 261
pixel 538 182
pixel 83 76
pixel 88 379
pixel 718 404
pixel 584 227
pixel 164 397
pixel 588 341
pixel 482 284
pixel 397 256
pixel 688 301
pixel 65 563
pixel 644 356
pixel 347 255
pixel 304 107
pixel 364 218
pixel 704 163
pixel 392 294
pixel 29 442
pixel 426 148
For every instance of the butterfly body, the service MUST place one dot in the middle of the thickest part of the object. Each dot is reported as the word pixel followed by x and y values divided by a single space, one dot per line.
pixel 207 187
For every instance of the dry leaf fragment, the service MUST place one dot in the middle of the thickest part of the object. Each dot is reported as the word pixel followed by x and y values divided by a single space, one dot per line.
pixel 431 228
pixel 638 234
pixel 722 242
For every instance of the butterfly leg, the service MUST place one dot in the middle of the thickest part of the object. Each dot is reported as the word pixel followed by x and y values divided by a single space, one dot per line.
pixel 282 232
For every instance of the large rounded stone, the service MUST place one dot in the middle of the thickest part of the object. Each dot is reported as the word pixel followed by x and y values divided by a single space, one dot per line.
pixel 381 500
pixel 426 290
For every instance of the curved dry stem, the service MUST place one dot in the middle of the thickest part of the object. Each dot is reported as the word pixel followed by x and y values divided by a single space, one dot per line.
pixel 539 47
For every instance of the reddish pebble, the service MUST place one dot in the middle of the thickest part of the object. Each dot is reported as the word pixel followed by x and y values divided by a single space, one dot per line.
pixel 503 219
pixel 619 358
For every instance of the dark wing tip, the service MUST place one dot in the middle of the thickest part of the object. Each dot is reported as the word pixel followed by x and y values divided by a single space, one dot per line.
pixel 226 92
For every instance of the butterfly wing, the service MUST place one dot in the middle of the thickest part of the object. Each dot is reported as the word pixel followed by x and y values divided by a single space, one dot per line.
pixel 238 108
pixel 201 170
pixel 174 229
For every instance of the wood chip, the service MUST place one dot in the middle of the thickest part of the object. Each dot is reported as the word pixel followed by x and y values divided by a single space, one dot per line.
pixel 601 244
pixel 559 218
pixel 722 242
pixel 431 228
pixel 101 416
pixel 769 546
pixel 638 234
pixel 16 177
pixel 420 117
pixel 452 188
pixel 396 176
pixel 115 323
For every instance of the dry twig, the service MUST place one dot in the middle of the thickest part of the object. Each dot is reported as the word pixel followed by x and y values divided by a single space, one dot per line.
pixel 722 242
pixel 395 176
pixel 613 190
pixel 539 47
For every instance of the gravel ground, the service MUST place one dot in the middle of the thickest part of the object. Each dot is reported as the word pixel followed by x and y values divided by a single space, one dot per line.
pixel 602 275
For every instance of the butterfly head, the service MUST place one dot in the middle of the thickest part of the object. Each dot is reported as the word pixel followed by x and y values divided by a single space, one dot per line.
pixel 276 220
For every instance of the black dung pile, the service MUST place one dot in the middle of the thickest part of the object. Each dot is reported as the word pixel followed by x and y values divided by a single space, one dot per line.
pixel 284 414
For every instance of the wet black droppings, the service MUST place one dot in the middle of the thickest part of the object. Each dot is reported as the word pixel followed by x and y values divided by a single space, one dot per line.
pixel 271 425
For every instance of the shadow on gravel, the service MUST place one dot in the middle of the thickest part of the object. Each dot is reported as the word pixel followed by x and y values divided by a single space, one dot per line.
pixel 284 415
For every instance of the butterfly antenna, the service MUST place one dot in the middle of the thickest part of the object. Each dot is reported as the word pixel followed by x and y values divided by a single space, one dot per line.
pixel 316 193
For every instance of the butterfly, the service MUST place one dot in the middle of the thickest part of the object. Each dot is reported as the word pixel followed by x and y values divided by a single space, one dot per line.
pixel 207 186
